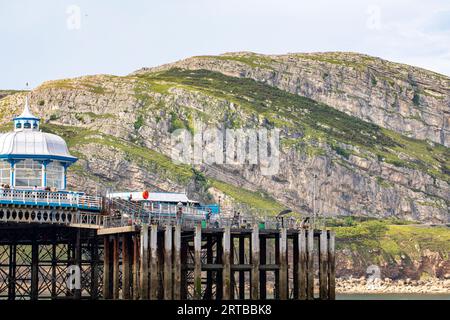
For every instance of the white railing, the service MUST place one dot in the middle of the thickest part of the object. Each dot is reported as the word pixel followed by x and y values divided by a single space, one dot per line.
pixel 49 198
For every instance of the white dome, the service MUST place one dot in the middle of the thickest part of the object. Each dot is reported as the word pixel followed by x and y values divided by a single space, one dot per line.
pixel 34 144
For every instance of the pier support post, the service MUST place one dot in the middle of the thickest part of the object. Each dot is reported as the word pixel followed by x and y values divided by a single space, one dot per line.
pixel 301 269
pixel 197 262
pixel 263 273
pixel 310 263
pixel 226 263
pixel 77 262
pixel 126 272
pixel 255 264
pixel 168 294
pixel 94 267
pixel 154 283
pixel 209 260
pixel 331 267
pixel 135 267
pixel 107 288
pixel 34 270
pixel 323 265
pixel 116 274
pixel 144 263
pixel 177 263
pixel 241 256
pixel 283 265
pixel 219 260
pixel 276 293
pixel 12 271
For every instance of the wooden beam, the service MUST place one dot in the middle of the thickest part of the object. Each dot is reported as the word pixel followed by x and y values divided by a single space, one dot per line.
pixel 154 281
pixel 136 267
pixel 283 265
pixel 331 266
pixel 310 264
pixel 262 271
pixel 255 264
pixel 302 265
pixel 168 292
pixel 177 263
pixel 226 274
pixel 323 265
pixel 116 274
pixel 107 289
pixel 126 272
pixel 197 262
pixel 143 273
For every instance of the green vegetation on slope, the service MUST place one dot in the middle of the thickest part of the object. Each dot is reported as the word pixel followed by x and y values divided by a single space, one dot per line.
pixel 379 239
pixel 156 162
pixel 257 200
pixel 315 120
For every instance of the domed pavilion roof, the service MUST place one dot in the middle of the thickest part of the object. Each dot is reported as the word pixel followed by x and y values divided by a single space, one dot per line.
pixel 28 142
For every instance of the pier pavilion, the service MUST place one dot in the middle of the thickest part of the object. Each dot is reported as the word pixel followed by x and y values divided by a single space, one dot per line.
pixel 33 167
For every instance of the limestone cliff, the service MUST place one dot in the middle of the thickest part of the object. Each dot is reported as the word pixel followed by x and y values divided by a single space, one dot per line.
pixel 346 118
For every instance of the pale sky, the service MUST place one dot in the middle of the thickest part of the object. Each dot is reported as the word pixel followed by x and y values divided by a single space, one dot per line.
pixel 46 40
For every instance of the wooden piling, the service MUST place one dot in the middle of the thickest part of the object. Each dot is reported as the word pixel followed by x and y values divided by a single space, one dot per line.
pixel 323 265
pixel 197 262
pixel 135 267
pixel 302 265
pixel 295 263
pixel 126 272
pixel 255 263
pixel 310 264
pixel 154 283
pixel 143 272
pixel 226 273
pixel 262 273
pixel 276 293
pixel 116 274
pixel 168 292
pixel 283 265
pixel 241 257
pixel 177 263
pixel 107 289
pixel 331 266
pixel 219 260
pixel 209 273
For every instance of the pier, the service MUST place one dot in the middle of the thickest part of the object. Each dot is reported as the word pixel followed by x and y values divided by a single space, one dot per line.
pixel 95 256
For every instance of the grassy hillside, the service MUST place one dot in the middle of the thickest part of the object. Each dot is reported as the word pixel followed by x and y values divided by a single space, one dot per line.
pixel 393 245
pixel 314 121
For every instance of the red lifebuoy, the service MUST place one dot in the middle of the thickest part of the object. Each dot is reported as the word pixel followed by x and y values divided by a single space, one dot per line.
pixel 145 194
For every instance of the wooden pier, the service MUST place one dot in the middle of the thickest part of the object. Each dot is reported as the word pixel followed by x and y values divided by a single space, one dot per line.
pixel 166 262
pixel 224 263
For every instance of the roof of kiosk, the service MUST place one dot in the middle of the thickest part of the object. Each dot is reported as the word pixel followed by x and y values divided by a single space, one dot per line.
pixel 31 143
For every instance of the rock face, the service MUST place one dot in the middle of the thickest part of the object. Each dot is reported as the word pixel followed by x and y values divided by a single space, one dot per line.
pixel 409 100
pixel 120 128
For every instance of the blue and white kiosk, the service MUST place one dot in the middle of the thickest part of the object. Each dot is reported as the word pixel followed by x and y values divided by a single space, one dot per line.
pixel 33 167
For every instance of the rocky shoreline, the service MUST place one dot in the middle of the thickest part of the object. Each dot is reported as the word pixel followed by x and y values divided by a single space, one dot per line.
pixel 362 285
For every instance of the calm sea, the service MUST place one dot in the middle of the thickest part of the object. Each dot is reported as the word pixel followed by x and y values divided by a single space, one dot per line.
pixel 393 296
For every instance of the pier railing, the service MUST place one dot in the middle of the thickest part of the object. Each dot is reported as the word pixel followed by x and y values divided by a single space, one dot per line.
pixel 68 218
pixel 49 198
pixel 127 213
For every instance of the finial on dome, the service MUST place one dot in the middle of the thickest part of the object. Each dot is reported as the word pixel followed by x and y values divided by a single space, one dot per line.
pixel 26 120
pixel 26 113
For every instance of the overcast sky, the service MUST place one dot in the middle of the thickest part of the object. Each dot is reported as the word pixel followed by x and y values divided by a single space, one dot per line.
pixel 45 40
